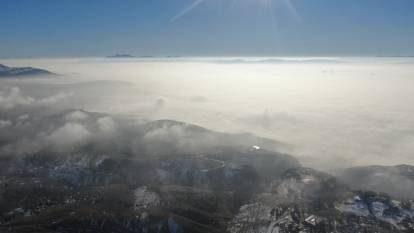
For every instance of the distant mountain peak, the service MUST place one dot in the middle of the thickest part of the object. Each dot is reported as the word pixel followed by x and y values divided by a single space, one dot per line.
pixel 121 56
pixel 6 71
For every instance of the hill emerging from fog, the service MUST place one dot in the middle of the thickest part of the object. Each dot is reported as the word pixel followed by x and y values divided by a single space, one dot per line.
pixel 6 71
pixel 103 173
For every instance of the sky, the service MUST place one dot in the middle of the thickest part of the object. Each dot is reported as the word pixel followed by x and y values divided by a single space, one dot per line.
pixel 49 28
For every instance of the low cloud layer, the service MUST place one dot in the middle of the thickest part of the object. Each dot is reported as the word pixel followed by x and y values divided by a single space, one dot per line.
pixel 329 115
pixel 12 97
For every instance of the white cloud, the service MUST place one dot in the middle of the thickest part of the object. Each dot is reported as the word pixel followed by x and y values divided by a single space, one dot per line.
pixel 106 124
pixel 5 123
pixel 69 134
pixel 76 115
pixel 12 97
pixel 55 98
pixel 23 117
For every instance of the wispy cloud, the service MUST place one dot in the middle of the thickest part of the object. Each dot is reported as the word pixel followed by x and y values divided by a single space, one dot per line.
pixel 187 10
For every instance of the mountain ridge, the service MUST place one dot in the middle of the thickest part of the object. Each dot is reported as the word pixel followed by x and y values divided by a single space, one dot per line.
pixel 6 71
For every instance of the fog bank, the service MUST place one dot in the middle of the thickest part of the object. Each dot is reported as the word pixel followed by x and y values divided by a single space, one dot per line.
pixel 331 113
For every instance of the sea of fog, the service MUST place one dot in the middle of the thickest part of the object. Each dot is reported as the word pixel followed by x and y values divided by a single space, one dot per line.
pixel 328 112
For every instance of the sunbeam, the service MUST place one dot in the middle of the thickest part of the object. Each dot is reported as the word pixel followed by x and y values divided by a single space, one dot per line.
pixel 292 10
pixel 267 4
pixel 187 9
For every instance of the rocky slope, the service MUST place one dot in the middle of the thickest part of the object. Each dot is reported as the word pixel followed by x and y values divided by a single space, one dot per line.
pixel 395 180
pixel 172 177
pixel 304 200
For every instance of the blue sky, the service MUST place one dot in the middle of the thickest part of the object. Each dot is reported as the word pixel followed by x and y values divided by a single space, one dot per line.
pixel 44 28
